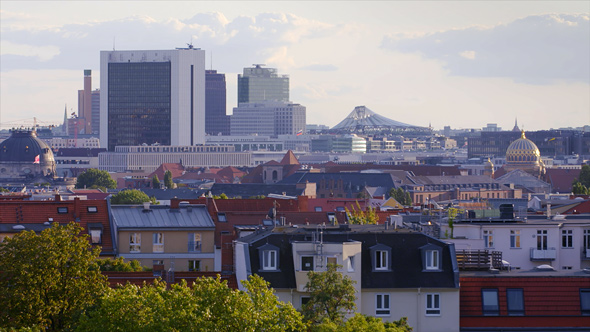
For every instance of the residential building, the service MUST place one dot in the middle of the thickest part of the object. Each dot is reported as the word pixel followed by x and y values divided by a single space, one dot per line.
pixel 216 119
pixel 398 273
pixel 180 238
pixel 155 96
pixel 269 118
pixel 258 84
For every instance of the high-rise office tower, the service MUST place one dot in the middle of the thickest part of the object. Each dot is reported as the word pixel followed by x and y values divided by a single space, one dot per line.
pixel 270 118
pixel 259 84
pixel 150 97
pixel 216 118
pixel 85 104
pixel 95 112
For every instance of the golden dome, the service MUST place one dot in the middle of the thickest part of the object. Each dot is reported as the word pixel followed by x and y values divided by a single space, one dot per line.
pixel 523 153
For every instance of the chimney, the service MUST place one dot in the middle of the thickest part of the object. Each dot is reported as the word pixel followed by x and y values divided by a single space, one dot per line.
pixel 57 197
pixel 146 205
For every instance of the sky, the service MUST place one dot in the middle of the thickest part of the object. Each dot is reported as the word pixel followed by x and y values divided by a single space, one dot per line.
pixel 462 64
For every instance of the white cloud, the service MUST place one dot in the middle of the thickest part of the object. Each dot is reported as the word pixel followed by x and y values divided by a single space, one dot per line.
pixel 43 53
pixel 535 49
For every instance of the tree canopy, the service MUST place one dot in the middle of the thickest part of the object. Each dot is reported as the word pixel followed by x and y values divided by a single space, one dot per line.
pixel 48 279
pixel 168 180
pixel 369 216
pixel 155 182
pixel 209 305
pixel 401 196
pixel 94 178
pixel 584 177
pixel 131 196
pixel 330 295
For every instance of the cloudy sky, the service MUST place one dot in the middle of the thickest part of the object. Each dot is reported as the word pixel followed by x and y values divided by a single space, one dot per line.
pixel 457 63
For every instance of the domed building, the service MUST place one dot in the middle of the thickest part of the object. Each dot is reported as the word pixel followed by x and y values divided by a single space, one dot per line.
pixel 25 158
pixel 523 154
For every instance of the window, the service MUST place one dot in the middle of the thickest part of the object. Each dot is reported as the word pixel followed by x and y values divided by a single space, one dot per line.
pixel 432 304
pixel 380 255
pixel 158 242
pixel 515 301
pixel 541 239
pixel 488 238
pixel 567 238
pixel 194 265
pixel 318 209
pixel 194 242
pixel 92 209
pixel 381 260
pixel 515 239
pixel 304 300
pixel 587 239
pixel 585 301
pixel 350 263
pixel 95 236
pixel 382 305
pixel 158 262
pixel 62 210
pixel 135 242
pixel 306 263
pixel 221 217
pixel 489 300
pixel 331 260
pixel 269 260
pixel 432 260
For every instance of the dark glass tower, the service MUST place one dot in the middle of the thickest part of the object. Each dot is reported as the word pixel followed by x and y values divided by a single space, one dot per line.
pixel 139 103
pixel 259 84
pixel 216 118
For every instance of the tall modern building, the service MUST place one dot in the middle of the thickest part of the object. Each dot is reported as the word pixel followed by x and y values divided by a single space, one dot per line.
pixel 85 104
pixel 150 97
pixel 259 84
pixel 95 112
pixel 216 118
pixel 270 118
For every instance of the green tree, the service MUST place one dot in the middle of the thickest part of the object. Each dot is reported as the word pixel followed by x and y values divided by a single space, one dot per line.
pixel 401 196
pixel 94 178
pixel 132 196
pixel 48 279
pixel 155 182
pixel 168 180
pixel 119 264
pixel 451 215
pixel 369 216
pixel 331 294
pixel 584 177
pixel 209 305
pixel 579 189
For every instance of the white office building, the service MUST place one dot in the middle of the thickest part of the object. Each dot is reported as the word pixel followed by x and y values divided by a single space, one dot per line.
pixel 271 118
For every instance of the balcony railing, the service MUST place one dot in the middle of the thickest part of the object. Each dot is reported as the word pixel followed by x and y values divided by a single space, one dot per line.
pixel 194 246
pixel 479 259
pixel 543 254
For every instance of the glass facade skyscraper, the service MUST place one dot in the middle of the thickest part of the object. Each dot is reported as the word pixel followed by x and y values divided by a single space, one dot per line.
pixel 216 118
pixel 259 84
pixel 152 97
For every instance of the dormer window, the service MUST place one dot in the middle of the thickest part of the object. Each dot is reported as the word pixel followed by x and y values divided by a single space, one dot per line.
pixel 431 258
pixel 221 217
pixel 269 258
pixel 381 258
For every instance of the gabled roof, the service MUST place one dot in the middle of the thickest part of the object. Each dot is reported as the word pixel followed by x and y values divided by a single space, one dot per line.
pixel 524 180
pixel 175 168
pixel 161 217
pixel 561 179
pixel 255 189
pixel 351 180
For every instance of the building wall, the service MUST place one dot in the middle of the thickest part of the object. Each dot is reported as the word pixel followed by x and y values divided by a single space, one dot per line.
pixel 175 249
pixel 258 84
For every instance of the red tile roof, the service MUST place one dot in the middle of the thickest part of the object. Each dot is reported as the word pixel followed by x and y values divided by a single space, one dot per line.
pixel 289 159
pixel 561 179
pixel 175 168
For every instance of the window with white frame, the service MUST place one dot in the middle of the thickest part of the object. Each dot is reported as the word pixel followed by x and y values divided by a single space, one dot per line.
pixel 432 260
pixel 95 235
pixel 194 242
pixel 135 242
pixel 381 260
pixel 542 239
pixel 382 305
pixel 158 242
pixel 432 304
pixel 514 238
pixel 488 238
pixel 567 238
pixel 194 265
pixel 269 260
pixel 489 301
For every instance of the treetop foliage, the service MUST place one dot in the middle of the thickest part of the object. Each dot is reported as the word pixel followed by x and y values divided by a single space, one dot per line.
pixel 132 196
pixel 94 178
pixel 369 216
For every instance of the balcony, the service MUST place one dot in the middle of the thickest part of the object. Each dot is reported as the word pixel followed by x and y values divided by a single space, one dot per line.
pixel 548 254
pixel 585 254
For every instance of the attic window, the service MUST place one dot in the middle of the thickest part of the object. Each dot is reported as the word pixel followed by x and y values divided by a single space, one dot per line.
pixel 489 301
pixel 95 231
pixel 381 258
pixel 269 258
pixel 431 258
pixel 92 209
pixel 221 217
pixel 62 210
pixel 585 301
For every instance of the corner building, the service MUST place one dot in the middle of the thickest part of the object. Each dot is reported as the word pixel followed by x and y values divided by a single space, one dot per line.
pixel 152 97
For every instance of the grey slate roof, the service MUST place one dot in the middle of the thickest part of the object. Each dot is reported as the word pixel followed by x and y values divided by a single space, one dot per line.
pixel 246 190
pixel 351 180
pixel 185 217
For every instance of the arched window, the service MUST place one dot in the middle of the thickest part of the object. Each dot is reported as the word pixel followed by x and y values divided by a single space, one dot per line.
pixel 275 175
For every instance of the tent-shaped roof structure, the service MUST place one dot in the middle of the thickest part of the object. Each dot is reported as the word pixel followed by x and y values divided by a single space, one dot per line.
pixel 362 117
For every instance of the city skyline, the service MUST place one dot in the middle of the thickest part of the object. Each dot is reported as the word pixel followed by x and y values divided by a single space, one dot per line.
pixel 420 63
